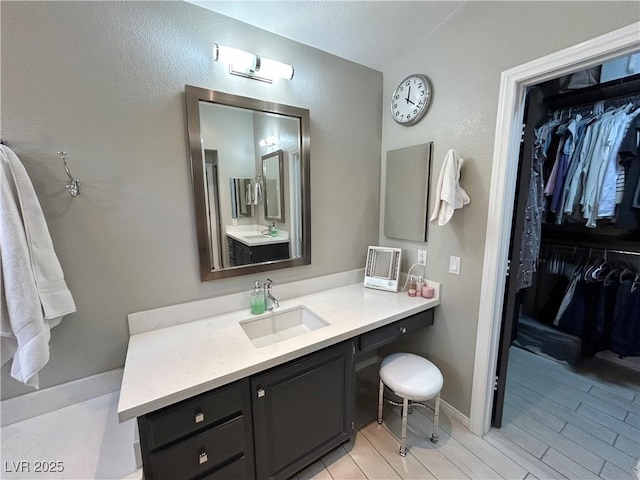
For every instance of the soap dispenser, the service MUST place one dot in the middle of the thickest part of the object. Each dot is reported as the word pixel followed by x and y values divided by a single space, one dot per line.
pixel 257 299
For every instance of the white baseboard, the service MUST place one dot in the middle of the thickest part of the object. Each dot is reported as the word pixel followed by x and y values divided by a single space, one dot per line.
pixel 35 403
pixel 454 413
pixel 137 475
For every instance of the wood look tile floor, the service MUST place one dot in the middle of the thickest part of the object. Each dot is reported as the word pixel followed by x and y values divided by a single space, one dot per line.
pixel 559 423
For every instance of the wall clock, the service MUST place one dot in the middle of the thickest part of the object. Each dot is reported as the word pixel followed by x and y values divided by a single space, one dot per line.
pixel 411 99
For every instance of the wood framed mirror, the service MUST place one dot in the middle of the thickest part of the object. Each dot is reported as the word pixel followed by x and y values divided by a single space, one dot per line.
pixel 232 219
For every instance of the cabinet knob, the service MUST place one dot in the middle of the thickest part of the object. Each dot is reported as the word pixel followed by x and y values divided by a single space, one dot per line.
pixel 202 458
pixel 199 417
pixel 403 329
pixel 260 392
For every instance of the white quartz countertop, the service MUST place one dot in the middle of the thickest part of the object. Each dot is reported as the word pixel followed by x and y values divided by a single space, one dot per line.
pixel 252 236
pixel 171 364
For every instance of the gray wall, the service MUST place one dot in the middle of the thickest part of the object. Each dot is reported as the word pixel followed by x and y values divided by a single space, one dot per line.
pixel 464 57
pixel 104 81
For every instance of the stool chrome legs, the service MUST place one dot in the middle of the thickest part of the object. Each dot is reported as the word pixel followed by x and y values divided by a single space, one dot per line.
pixel 406 407
pixel 436 418
pixel 403 440
pixel 380 400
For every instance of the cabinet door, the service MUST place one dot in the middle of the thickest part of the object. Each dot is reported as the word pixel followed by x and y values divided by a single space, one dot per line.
pixel 267 253
pixel 302 410
pixel 243 254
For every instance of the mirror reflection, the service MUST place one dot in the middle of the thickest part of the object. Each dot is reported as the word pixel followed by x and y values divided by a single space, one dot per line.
pixel 272 172
pixel 249 162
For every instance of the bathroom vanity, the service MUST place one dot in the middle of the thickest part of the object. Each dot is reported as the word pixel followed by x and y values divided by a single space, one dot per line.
pixel 257 396
pixel 242 253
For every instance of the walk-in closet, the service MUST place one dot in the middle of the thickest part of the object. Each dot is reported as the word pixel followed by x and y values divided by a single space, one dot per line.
pixel 572 308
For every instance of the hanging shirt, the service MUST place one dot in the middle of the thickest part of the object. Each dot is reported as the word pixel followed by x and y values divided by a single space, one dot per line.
pixel 599 153
pixel 532 227
pixel 629 159
pixel 578 170
pixel 568 146
pixel 607 200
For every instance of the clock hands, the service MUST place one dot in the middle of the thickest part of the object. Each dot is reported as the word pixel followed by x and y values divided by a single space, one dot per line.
pixel 408 95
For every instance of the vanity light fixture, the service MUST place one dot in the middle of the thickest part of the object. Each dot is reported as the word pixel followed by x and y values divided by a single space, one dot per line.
pixel 269 141
pixel 250 65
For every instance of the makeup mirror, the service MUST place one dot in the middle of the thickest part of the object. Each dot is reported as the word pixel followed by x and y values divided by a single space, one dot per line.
pixel 382 270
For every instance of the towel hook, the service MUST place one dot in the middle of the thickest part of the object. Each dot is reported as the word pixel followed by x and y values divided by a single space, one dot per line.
pixel 73 185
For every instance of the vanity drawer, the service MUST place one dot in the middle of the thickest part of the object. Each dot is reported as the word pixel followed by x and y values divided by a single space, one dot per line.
pixel 181 419
pixel 387 334
pixel 201 454
pixel 234 471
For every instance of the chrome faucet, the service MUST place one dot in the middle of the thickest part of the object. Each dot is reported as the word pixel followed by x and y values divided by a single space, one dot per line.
pixel 270 302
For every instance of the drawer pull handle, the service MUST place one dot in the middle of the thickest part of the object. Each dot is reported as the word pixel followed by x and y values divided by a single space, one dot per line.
pixel 202 458
pixel 261 392
pixel 199 417
pixel 403 329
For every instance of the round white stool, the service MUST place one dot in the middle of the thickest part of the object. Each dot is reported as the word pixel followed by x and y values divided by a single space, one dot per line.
pixel 414 379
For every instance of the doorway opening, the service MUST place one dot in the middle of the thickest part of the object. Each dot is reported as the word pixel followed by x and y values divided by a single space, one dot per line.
pixel 514 86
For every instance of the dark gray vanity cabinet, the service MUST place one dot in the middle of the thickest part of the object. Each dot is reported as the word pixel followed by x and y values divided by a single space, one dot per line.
pixel 302 410
pixel 207 436
pixel 241 254
pixel 394 331
pixel 270 425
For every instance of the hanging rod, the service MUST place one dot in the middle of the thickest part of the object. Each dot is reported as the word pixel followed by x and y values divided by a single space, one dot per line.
pixel 621 87
pixel 73 185
pixel 607 250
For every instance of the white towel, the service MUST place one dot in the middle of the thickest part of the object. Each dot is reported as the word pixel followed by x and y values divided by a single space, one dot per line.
pixel 248 194
pixel 33 294
pixel 257 195
pixel 450 196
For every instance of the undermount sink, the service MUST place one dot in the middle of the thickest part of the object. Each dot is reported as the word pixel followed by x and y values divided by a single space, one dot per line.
pixel 277 326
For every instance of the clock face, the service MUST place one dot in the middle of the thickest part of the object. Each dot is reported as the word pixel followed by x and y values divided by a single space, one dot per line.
pixel 411 99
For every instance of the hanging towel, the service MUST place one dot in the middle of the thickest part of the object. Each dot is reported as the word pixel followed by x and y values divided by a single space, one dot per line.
pixel 33 294
pixel 450 196
pixel 257 194
pixel 248 194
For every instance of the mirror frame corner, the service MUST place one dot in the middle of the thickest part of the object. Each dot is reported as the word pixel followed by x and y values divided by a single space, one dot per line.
pixel 193 97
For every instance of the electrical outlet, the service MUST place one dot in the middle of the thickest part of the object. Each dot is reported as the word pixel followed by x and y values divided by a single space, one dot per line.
pixel 422 257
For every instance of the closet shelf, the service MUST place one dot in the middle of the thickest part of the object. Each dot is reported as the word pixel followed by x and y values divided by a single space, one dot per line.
pixel 615 88
pixel 601 237
pixel 611 245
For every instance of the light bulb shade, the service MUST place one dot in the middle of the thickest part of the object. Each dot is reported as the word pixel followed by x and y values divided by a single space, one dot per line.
pixel 250 65
pixel 238 59
pixel 269 141
pixel 273 69
pixel 272 140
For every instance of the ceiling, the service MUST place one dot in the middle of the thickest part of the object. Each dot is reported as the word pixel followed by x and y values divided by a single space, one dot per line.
pixel 371 33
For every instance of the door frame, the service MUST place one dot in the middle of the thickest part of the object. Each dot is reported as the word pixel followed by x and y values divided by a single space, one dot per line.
pixel 513 84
